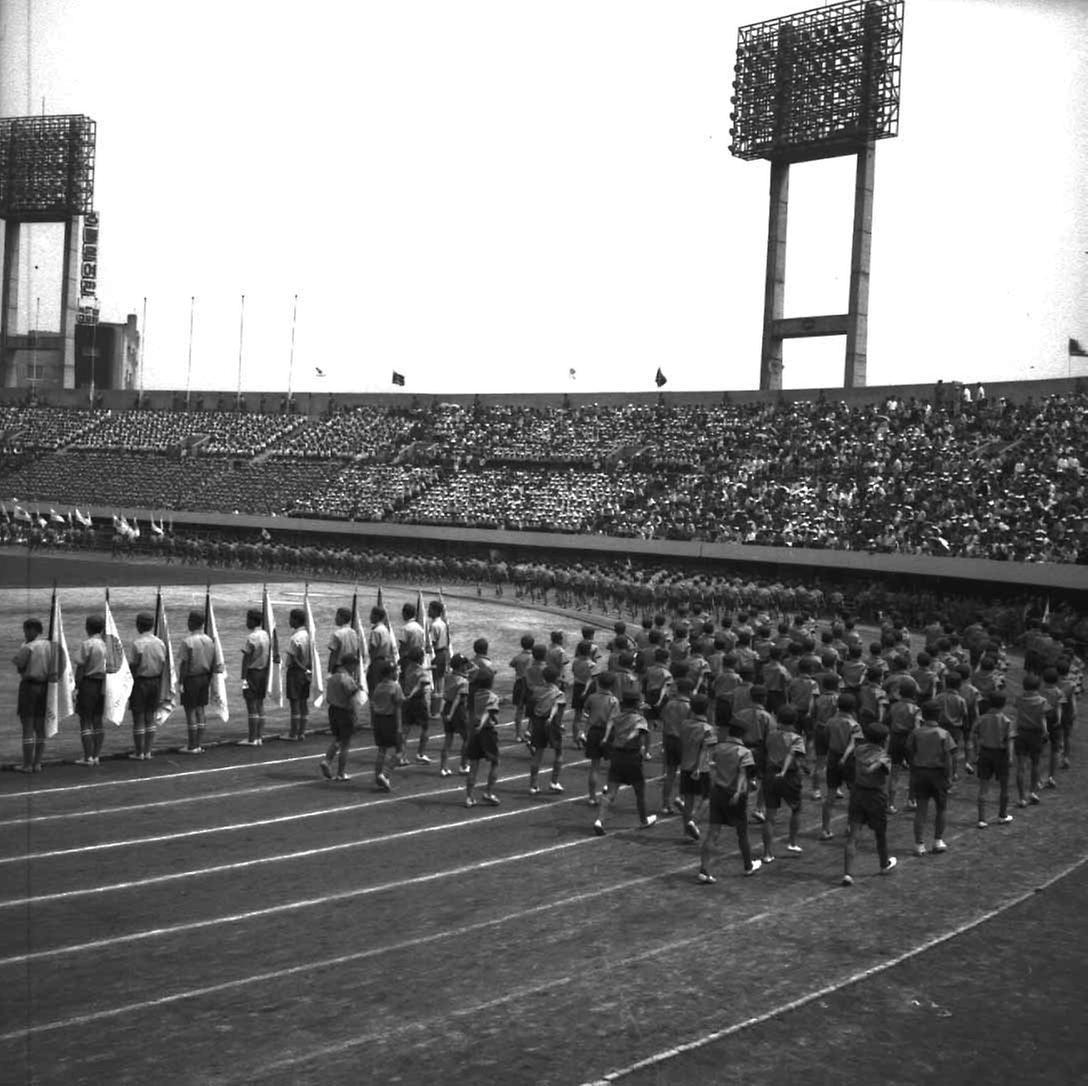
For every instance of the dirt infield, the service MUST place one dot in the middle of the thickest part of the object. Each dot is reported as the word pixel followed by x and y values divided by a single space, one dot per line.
pixel 236 919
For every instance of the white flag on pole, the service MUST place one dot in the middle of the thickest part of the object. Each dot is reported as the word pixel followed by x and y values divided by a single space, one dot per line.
pixel 118 684
pixel 168 684
pixel 275 668
pixel 317 680
pixel 217 694
pixel 60 690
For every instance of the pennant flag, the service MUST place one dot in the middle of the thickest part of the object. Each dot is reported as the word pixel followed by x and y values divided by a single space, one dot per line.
pixel 118 684
pixel 55 517
pixel 217 695
pixel 84 520
pixel 364 644
pixel 156 529
pixel 425 622
pixel 398 378
pixel 61 687
pixel 21 514
pixel 168 682
pixel 364 651
pixel 40 520
pixel 660 379
pixel 446 617
pixel 1076 350
pixel 275 669
pixel 317 678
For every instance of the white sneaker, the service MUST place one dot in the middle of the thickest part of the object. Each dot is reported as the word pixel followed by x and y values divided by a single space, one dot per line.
pixel 598 829
pixel 445 772
pixel 555 786
pixel 919 850
pixel 892 861
pixel 939 846
pixel 649 821
pixel 422 759
pixel 756 865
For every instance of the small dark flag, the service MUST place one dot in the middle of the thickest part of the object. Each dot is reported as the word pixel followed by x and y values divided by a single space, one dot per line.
pixel 660 379
pixel 318 371
pixel 1076 350
pixel 398 378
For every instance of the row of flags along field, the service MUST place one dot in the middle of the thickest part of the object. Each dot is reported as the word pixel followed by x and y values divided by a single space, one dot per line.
pixel 121 525
pixel 118 683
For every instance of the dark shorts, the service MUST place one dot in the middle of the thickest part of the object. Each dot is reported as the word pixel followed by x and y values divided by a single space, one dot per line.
pixel 543 734
pixel 297 684
pixel 145 694
pixel 625 767
pixel 90 696
pixel 483 746
pixel 699 787
pixel 593 742
pixel 194 691
pixel 415 711
pixel 456 724
pixel 723 712
pixel 869 807
pixel 897 748
pixel 341 722
pixel 441 666
pixel 385 729
pixel 518 697
pixel 724 813
pixel 804 724
pixel 782 790
pixel 929 783
pixel 257 680
pixel 1028 744
pixel 578 696
pixel 993 763
pixel 32 699
pixel 837 775
pixel 820 739
pixel 670 745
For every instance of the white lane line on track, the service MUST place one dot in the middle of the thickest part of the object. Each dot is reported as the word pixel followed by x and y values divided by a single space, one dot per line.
pixel 302 854
pixel 332 963
pixel 837 986
pixel 290 906
pixel 132 842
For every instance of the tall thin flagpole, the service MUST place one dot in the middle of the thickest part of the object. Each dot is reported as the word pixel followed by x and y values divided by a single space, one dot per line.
pixel 189 369
pixel 143 345
pixel 241 340
pixel 291 360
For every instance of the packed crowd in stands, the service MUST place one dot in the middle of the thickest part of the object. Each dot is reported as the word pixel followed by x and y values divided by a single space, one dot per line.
pixel 43 428
pixel 945 477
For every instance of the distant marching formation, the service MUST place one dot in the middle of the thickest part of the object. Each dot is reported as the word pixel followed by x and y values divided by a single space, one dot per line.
pixel 745 710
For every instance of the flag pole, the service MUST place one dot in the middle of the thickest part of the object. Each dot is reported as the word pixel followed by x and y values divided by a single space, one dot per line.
pixel 143 344
pixel 189 368
pixel 291 356
pixel 241 340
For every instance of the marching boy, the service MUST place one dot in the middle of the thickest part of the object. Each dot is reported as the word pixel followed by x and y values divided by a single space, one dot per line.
pixel 869 798
pixel 340 693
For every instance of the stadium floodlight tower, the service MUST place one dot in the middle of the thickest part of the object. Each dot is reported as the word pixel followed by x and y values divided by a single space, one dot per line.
pixel 47 176
pixel 818 84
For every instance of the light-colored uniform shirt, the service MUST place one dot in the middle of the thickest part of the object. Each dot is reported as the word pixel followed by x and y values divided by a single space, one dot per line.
pixel 34 659
pixel 197 655
pixel 257 649
pixel 91 655
pixel 147 656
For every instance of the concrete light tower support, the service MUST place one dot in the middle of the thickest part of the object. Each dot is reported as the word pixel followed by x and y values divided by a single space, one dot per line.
pixel 823 83
pixel 854 323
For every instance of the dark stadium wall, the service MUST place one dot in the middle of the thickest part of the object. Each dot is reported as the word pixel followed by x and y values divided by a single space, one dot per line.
pixel 318 403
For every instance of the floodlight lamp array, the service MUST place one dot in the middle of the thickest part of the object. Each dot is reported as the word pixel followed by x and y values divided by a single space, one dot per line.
pixel 818 83
pixel 46 167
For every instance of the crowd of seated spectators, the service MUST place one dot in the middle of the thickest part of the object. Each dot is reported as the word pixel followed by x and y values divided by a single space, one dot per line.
pixel 947 476
pixel 125 480
pixel 43 428
pixel 235 433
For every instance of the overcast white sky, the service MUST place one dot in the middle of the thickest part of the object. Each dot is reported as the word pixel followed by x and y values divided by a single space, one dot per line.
pixel 485 194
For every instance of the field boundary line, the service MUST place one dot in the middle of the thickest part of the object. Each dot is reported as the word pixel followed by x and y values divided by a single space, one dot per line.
pixel 155 839
pixel 837 986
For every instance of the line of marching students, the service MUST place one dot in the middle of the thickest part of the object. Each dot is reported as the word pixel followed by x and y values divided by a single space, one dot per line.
pixel 746 710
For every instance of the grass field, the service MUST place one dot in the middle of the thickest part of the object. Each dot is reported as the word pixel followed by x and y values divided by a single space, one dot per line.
pixel 237 919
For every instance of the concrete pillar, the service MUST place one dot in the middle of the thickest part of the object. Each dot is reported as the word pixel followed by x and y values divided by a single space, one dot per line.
pixel 858 306
pixel 69 299
pixel 774 298
pixel 9 299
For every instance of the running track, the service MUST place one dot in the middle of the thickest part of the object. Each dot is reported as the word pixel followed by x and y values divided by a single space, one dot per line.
pixel 237 919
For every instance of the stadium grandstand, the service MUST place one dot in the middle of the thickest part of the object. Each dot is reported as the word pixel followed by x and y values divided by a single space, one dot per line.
pixel 954 472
